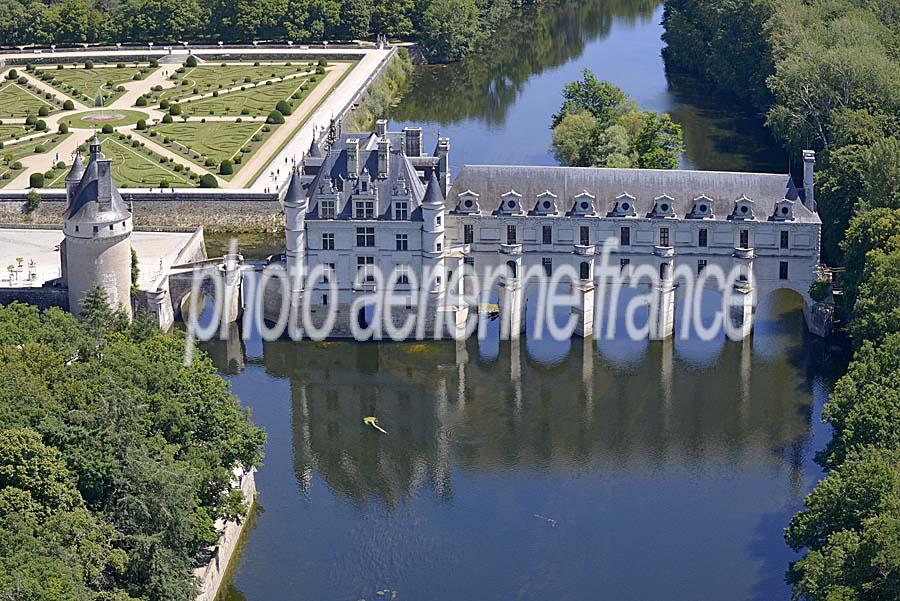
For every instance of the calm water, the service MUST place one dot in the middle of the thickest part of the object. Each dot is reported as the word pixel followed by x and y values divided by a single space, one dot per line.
pixel 628 471
pixel 496 107
pixel 518 471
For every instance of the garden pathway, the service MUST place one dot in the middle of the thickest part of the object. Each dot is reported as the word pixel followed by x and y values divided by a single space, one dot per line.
pixel 42 162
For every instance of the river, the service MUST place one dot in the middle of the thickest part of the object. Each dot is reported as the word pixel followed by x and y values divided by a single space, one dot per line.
pixel 572 471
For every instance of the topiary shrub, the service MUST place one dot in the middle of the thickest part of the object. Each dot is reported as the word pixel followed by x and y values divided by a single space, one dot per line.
pixel 40 125
pixel 141 124
pixel 106 129
pixel 164 183
pixel 68 105
pixel 89 65
pixel 191 61
pixel 283 107
pixel 13 74
pixel 275 117
pixel 36 180
pixel 22 80
pixel 63 128
pixel 208 181
pixel 164 104
pixel 16 165
pixel 320 70
pixel 175 109
pixel 43 111
pixel 40 149
pixel 141 101
pixel 323 62
pixel 226 167
pixel 209 162
pixel 154 63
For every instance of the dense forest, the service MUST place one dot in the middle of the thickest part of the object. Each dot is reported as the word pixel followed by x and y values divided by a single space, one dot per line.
pixel 446 29
pixel 115 457
pixel 827 75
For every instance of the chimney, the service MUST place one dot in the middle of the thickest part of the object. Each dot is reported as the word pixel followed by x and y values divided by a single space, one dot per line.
pixel 809 162
pixel 442 151
pixel 384 149
pixel 413 137
pixel 381 128
pixel 353 158
pixel 104 182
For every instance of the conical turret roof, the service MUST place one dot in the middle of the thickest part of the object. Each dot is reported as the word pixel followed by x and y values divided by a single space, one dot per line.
pixel 433 193
pixel 77 171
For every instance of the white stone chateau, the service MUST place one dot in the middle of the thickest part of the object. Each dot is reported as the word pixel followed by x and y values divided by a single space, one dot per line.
pixel 378 200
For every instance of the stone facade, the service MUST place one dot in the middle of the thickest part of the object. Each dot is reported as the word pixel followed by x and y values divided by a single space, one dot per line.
pixel 377 200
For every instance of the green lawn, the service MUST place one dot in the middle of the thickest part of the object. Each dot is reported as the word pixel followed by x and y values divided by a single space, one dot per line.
pixel 16 101
pixel 84 84
pixel 10 153
pixel 206 78
pixel 256 101
pixel 9 132
pixel 217 140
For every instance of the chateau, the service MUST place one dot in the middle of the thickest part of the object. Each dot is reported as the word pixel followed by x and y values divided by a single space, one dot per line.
pixel 378 200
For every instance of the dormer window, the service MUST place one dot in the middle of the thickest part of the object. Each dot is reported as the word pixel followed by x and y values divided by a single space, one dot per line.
pixel 468 203
pixel 623 207
pixel 663 208
pixel 511 203
pixel 743 209
pixel 784 210
pixel 702 208
pixel 584 204
pixel 546 203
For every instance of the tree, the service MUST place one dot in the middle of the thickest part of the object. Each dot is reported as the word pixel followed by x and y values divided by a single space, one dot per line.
pixel 882 174
pixel 135 272
pixel 355 18
pixel 573 139
pixel 659 143
pixel 604 101
pixel 875 229
pixel 34 479
pixel 33 200
pixel 450 28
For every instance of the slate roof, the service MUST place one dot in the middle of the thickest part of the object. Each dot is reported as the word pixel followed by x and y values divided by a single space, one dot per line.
pixel 96 199
pixel 490 182
pixel 334 167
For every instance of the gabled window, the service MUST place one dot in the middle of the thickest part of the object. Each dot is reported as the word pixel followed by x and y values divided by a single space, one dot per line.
pixel 364 209
pixel 327 209
pixel 401 210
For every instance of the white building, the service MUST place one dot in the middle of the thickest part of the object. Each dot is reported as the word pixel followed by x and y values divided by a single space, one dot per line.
pixel 376 200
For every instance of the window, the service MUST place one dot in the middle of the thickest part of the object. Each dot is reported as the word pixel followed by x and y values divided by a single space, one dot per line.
pixel 703 238
pixel 468 233
pixel 327 211
pixel 328 274
pixel 783 270
pixel 365 268
pixel 663 272
pixel 585 235
pixel 663 236
pixel 365 236
pixel 403 274
pixel 701 265
pixel 364 186
pixel 547 262
pixel 585 270
pixel 324 299
pixel 401 210
pixel 625 236
pixel 437 220
pixel 745 238
pixel 623 265
pixel 470 261
pixel 402 242
pixel 547 235
pixel 438 247
pixel 511 236
pixel 327 241
pixel 365 209
pixel 785 240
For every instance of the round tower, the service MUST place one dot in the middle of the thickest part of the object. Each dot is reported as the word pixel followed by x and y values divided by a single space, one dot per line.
pixel 433 225
pixel 97 227
pixel 73 178
pixel 296 205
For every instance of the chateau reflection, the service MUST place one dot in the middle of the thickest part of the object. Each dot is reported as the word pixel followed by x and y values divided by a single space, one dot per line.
pixel 445 408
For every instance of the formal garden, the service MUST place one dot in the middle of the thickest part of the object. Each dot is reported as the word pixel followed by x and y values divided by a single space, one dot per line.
pixel 163 125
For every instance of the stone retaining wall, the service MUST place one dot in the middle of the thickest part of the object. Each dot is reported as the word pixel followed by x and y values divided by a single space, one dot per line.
pixel 213 215
pixel 43 297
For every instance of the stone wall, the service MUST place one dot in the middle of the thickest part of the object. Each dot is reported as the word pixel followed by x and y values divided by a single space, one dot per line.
pixel 213 215
pixel 43 297
pixel 210 576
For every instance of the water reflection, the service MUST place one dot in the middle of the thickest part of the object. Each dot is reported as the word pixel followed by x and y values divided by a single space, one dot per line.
pixel 496 105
